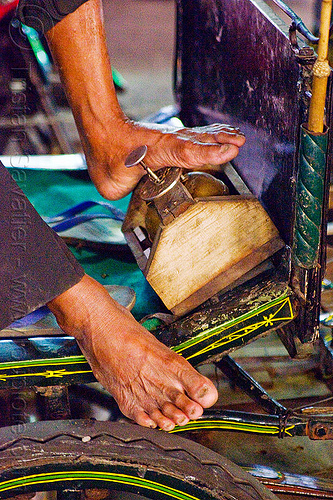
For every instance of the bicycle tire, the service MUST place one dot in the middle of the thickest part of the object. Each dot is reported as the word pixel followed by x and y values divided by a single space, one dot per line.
pixel 86 454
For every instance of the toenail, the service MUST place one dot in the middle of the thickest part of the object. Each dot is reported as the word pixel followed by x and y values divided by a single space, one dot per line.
pixel 168 427
pixel 203 392
pixel 182 421
pixel 193 413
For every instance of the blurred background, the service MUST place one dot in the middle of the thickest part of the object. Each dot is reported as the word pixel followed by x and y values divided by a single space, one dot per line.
pixel 141 36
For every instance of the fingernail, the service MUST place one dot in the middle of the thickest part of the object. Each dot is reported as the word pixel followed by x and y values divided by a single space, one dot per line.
pixel 234 131
pixel 237 133
pixel 225 148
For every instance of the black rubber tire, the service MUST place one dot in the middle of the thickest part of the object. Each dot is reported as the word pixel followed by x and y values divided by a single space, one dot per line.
pixel 85 454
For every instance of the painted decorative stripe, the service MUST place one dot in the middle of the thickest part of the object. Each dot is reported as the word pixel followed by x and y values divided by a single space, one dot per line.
pixel 61 476
pixel 70 360
pixel 46 374
pixel 234 426
pixel 50 370
pixel 283 304
pixel 266 321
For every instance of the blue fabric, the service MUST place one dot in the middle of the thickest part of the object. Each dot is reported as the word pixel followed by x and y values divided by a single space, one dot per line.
pixel 54 192
pixel 82 207
pixel 31 318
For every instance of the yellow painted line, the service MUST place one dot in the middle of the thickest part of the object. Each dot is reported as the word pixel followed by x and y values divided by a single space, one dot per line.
pixel 207 334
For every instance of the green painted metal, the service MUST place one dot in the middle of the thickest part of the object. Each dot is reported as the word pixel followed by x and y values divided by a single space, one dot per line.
pixel 309 198
pixel 220 337
pixel 237 332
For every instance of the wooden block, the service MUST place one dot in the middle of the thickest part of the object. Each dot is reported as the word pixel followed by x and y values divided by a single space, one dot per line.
pixel 207 248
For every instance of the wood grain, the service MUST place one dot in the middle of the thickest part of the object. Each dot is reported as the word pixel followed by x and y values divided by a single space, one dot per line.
pixel 208 247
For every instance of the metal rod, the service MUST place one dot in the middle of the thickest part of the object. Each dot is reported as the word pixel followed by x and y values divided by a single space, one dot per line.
pixel 150 172
pixel 299 25
pixel 249 385
pixel 253 423
pixel 321 72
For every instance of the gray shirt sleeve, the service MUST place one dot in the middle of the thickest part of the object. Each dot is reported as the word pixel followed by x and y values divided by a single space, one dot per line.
pixel 35 264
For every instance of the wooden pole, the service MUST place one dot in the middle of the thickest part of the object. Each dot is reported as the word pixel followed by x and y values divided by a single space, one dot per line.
pixel 321 72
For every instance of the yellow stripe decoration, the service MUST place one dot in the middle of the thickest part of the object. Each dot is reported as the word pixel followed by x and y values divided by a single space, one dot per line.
pixel 111 477
pixel 266 321
pixel 70 360
pixel 232 426
pixel 46 374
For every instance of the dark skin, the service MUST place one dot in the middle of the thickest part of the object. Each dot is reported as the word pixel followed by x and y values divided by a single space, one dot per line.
pixel 151 384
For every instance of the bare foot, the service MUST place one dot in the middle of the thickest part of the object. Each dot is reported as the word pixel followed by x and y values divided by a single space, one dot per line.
pixel 191 148
pixel 151 384
pixel 107 134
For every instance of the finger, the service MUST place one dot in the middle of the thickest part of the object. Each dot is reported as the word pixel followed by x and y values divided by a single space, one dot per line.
pixel 222 137
pixel 214 128
pixel 199 155
pixel 215 133
pixel 216 139
pixel 233 138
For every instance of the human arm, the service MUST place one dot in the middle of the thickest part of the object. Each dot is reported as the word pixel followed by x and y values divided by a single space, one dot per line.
pixel 158 387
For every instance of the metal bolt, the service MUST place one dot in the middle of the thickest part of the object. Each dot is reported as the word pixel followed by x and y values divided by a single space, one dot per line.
pixel 136 157
pixel 321 431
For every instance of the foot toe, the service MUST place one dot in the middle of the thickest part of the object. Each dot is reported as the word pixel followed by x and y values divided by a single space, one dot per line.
pixel 177 416
pixel 188 406
pixel 142 418
pixel 201 390
pixel 163 422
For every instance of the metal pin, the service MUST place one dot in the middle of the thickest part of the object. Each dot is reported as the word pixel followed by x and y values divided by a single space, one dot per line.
pixel 136 157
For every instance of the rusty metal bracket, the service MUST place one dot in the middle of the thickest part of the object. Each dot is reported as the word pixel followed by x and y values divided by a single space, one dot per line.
pixel 53 402
pixel 320 428
pixel 297 23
